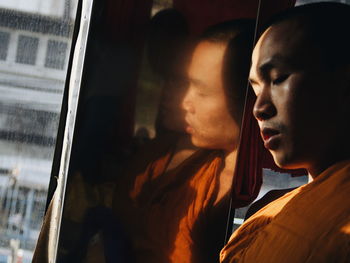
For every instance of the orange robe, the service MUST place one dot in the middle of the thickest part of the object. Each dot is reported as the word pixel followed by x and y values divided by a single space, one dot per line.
pixel 171 216
pixel 309 224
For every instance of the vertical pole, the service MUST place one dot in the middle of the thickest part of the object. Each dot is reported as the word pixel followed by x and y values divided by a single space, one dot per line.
pixel 28 214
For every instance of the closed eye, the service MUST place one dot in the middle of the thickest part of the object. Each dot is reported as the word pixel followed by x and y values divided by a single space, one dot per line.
pixel 279 79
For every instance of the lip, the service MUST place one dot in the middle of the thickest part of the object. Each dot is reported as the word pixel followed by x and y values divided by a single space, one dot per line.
pixel 271 138
pixel 189 128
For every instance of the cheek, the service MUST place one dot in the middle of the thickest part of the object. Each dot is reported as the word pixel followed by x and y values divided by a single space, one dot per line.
pixel 292 101
pixel 220 123
pixel 212 111
pixel 303 112
pixel 215 127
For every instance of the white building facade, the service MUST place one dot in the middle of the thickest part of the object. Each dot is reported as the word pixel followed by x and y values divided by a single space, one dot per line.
pixel 35 43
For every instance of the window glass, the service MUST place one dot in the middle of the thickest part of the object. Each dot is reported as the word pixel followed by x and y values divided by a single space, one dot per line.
pixel 149 89
pixel 35 41
pixel 56 54
pixel 134 174
pixel 27 50
pixel 4 44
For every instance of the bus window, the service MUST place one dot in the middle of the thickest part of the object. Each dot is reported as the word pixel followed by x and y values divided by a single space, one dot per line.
pixel 138 184
pixel 35 43
pixel 143 184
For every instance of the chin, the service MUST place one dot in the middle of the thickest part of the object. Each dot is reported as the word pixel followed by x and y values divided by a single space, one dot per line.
pixel 195 142
pixel 200 143
pixel 277 161
pixel 285 161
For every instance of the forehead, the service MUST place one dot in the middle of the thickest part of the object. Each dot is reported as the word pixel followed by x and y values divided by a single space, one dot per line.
pixel 287 42
pixel 207 55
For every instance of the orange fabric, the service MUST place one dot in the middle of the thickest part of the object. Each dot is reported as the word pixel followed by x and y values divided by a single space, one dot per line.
pixel 166 215
pixel 309 224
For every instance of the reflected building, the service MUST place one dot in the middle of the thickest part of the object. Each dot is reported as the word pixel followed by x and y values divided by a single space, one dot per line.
pixel 35 41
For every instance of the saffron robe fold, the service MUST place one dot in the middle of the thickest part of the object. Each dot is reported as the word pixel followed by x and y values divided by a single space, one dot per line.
pixel 309 224
pixel 170 216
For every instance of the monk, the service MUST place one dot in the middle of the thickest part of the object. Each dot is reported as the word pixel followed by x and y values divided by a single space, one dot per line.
pixel 179 214
pixel 300 74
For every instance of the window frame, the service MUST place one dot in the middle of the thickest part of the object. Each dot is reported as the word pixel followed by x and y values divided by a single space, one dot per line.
pixel 61 160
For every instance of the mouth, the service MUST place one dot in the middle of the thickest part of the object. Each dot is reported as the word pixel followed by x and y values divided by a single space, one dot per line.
pixel 270 137
pixel 189 128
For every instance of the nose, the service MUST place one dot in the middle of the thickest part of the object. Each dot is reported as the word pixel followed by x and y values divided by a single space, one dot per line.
pixel 187 103
pixel 264 108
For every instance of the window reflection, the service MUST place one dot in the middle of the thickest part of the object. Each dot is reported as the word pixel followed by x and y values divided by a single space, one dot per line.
pixel 158 183
pixel 4 44
pixel 56 54
pixel 35 38
pixel 27 50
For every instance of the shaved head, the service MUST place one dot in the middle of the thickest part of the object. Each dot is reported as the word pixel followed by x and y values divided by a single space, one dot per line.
pixel 326 25
pixel 301 76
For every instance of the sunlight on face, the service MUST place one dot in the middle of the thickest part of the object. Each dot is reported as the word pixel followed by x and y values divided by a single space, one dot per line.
pixel 293 97
pixel 207 114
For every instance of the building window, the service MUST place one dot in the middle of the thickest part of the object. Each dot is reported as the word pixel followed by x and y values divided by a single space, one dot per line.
pixel 4 44
pixel 27 50
pixel 56 54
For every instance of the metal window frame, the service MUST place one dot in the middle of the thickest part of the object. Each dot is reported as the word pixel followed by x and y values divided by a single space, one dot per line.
pixel 60 166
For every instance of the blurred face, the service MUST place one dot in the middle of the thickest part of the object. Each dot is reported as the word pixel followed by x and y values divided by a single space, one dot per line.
pixel 296 106
pixel 207 115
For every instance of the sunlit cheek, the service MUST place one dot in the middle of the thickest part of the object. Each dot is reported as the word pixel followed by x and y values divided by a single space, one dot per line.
pixel 226 133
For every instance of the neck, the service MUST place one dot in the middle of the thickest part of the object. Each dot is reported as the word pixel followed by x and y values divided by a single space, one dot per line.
pixel 317 168
pixel 184 142
pixel 226 175
pixel 230 160
pixel 183 150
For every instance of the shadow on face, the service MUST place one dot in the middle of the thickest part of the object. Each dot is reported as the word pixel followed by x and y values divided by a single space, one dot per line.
pixel 296 108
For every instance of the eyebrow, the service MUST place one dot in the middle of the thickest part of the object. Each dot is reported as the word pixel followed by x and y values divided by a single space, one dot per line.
pixel 274 62
pixel 265 68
